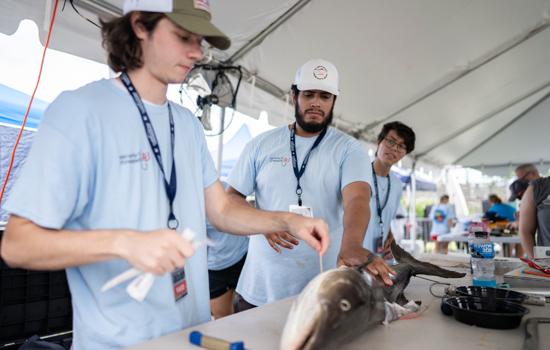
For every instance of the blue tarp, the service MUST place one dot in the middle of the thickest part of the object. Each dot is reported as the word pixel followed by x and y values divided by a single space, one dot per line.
pixel 13 105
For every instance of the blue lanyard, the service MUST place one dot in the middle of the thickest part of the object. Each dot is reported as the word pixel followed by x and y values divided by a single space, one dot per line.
pixel 299 172
pixel 170 186
pixel 380 208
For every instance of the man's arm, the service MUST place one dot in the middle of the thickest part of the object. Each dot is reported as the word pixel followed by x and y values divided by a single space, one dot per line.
pixel 528 221
pixel 230 214
pixel 356 199
pixel 27 245
pixel 275 239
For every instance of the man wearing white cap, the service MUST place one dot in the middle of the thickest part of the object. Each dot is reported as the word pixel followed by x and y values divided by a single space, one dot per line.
pixel 116 172
pixel 310 168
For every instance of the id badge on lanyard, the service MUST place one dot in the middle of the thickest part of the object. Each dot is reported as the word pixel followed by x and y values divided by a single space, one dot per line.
pixel 303 210
pixel 179 284
pixel 378 242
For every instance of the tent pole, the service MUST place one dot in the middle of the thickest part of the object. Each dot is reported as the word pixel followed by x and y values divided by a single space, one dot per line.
pixel 220 143
pixel 412 209
pixel 504 127
pixel 102 8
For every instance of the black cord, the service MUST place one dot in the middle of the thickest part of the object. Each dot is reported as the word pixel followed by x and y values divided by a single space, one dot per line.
pixel 435 283
pixel 75 9
pixel 225 128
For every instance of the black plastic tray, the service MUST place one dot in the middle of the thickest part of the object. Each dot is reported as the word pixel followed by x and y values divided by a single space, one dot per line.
pixel 491 293
pixel 484 312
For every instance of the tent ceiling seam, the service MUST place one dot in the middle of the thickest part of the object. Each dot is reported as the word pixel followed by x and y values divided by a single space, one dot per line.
pixel 482 119
pixel 258 38
pixel 504 127
pixel 540 162
pixel 540 27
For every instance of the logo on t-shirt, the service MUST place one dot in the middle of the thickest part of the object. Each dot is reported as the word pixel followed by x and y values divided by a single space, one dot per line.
pixel 440 215
pixel 142 157
pixel 283 160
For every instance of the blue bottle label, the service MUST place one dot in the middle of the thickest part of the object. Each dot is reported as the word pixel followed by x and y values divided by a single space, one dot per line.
pixel 482 250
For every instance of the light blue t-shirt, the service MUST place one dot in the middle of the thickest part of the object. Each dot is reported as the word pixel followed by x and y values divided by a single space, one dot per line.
pixel 227 250
pixel 388 213
pixel 91 167
pixel 440 214
pixel 265 168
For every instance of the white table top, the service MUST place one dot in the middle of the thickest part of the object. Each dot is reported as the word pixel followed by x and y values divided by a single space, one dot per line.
pixel 463 237
pixel 261 328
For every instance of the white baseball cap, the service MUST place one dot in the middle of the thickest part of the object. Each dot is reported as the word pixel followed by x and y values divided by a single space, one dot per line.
pixel 317 74
pixel 192 15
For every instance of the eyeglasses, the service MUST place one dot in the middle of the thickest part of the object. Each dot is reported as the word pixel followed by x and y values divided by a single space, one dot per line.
pixel 392 143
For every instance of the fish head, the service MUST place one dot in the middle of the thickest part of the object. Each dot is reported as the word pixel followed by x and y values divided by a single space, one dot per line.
pixel 327 310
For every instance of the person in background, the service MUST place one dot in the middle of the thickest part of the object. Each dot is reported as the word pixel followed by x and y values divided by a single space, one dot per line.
pixel 311 168
pixel 116 172
pixel 499 211
pixel 226 258
pixel 534 218
pixel 443 217
pixel 525 174
pixel 395 141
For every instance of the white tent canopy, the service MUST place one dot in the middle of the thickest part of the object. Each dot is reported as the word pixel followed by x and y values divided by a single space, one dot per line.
pixel 471 77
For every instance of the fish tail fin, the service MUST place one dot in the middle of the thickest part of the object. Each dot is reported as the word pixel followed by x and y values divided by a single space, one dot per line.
pixel 420 267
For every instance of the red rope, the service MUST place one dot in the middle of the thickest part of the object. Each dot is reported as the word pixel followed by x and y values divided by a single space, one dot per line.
pixel 30 102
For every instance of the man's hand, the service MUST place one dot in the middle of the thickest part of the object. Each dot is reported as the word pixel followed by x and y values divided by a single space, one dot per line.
pixel 313 231
pixel 357 256
pixel 158 252
pixel 282 239
pixel 380 269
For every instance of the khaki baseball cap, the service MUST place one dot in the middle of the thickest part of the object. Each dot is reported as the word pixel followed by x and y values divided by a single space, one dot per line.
pixel 317 74
pixel 192 15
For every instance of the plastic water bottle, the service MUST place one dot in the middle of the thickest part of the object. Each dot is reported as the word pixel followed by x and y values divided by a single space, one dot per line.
pixel 482 252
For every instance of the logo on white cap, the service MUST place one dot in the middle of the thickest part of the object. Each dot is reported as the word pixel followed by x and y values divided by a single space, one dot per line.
pixel 317 74
pixel 320 72
pixel 148 6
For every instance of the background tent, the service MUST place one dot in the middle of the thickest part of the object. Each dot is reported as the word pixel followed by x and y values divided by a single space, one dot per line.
pixel 232 150
pixel 471 77
pixel 13 105
pixel 423 183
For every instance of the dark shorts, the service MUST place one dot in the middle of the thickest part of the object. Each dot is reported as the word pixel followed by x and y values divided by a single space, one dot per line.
pixel 223 280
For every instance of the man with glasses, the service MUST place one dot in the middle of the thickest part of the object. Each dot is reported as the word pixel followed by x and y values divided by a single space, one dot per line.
pixel 525 173
pixel 394 142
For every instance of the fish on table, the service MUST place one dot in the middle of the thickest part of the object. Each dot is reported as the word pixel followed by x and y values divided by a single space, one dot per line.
pixel 342 303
